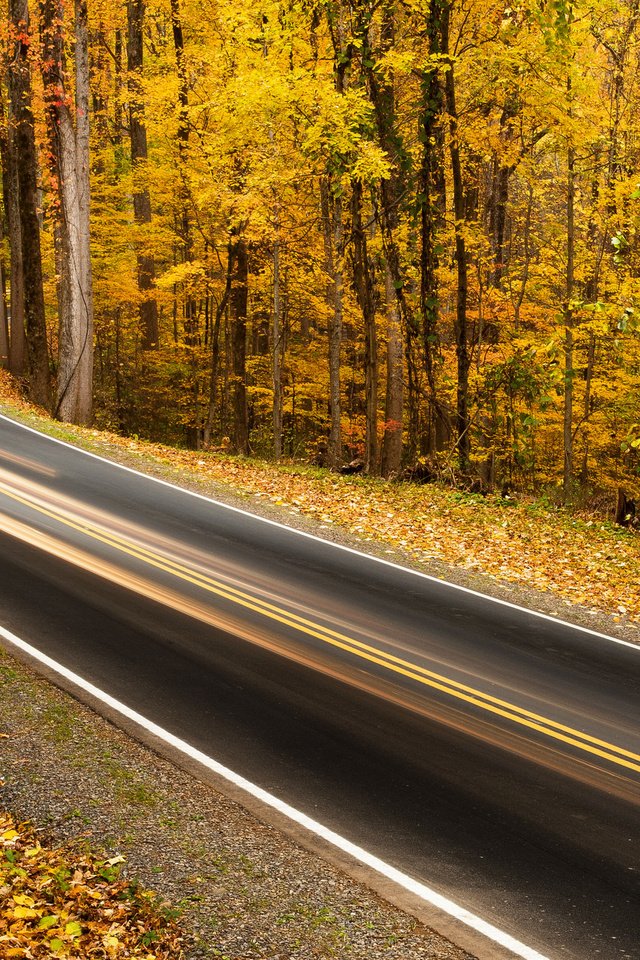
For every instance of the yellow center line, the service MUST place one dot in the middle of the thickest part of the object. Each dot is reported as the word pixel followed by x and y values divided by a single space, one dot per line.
pixel 357 648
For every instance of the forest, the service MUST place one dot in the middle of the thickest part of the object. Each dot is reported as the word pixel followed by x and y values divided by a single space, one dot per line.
pixel 396 236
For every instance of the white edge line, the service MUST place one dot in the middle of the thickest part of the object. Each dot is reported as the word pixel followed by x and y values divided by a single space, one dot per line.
pixel 338 546
pixel 420 890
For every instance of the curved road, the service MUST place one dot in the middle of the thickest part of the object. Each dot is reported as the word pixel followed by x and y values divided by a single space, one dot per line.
pixel 490 752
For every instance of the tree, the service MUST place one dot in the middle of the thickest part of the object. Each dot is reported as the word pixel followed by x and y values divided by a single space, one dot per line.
pixel 148 308
pixel 333 237
pixel 25 146
pixel 68 126
pixel 4 325
pixel 16 339
pixel 239 301
pixel 391 192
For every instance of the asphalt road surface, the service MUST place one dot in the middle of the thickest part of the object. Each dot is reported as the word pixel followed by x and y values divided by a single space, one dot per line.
pixel 491 753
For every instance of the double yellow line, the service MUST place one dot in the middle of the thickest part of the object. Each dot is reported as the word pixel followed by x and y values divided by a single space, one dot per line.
pixel 363 651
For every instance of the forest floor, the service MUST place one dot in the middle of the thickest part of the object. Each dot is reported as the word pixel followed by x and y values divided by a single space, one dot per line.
pixel 83 782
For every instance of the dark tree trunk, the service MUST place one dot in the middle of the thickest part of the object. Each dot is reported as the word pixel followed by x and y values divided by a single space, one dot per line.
pixel 239 302
pixel 568 311
pixel 391 190
pixel 499 194
pixel 460 211
pixel 626 509
pixel 363 283
pixel 432 203
pixel 333 252
pixel 148 309
pixel 394 400
pixel 118 85
pixel 215 347
pixel 499 221
pixel 34 314
pixel 190 306
pixel 4 322
pixel 11 198
pixel 586 408
pixel 277 351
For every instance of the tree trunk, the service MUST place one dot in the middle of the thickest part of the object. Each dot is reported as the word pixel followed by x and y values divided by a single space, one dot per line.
pixel 568 327
pixel 586 408
pixel 459 210
pixel 215 347
pixel 333 252
pixel 118 87
pixel 499 220
pixel 518 299
pixel 4 320
pixel 34 314
pixel 363 284
pixel 70 152
pixel 431 203
pixel 190 306
pixel 391 191
pixel 148 308
pixel 239 300
pixel 415 435
pixel 11 197
pixel 277 343
pixel 394 402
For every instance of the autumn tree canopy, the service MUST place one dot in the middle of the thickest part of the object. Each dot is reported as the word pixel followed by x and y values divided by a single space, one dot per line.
pixel 398 231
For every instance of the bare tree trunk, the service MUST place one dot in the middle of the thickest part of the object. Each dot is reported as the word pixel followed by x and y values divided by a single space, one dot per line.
pixel 277 352
pixel 215 346
pixel 333 251
pixel 500 199
pixel 415 435
pixel 364 290
pixel 394 402
pixel 391 189
pixel 190 305
pixel 11 197
pixel 586 409
pixel 431 204
pixel 334 241
pixel 568 326
pixel 4 320
pixel 190 309
pixel 34 314
pixel 70 150
pixel 459 210
pixel 148 309
pixel 118 87
pixel 519 297
pixel 239 301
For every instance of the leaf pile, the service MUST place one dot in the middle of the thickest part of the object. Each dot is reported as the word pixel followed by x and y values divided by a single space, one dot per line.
pixel 65 903
pixel 581 559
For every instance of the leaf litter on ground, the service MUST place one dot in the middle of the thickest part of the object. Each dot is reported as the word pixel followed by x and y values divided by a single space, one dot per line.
pixel 67 903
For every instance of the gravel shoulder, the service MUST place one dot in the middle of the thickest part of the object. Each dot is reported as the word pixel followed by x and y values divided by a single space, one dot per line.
pixel 242 888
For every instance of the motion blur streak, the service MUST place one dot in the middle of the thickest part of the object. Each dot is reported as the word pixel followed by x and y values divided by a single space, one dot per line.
pixel 83 521
pixel 27 464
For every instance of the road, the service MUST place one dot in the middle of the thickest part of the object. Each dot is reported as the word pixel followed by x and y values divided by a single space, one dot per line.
pixel 489 752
